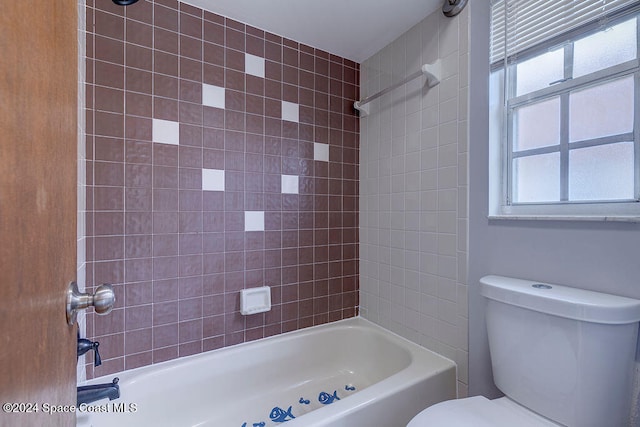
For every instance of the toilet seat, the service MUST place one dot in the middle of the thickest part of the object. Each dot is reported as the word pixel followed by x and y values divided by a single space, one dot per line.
pixel 478 411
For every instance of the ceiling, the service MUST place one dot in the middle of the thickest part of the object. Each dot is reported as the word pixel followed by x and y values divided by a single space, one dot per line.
pixel 353 29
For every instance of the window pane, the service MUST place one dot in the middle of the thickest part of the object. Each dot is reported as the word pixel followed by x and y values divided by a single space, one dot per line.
pixel 537 125
pixel 536 73
pixel 602 110
pixel 604 172
pixel 612 46
pixel 536 178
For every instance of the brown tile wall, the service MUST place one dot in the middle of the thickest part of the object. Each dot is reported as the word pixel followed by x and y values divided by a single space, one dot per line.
pixel 178 254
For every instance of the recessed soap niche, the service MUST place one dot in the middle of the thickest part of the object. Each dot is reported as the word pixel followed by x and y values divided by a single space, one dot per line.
pixel 255 300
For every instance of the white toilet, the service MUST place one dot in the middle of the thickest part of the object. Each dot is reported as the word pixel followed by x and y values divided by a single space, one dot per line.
pixel 562 356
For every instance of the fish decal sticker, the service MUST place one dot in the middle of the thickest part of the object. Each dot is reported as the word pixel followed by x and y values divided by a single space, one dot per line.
pixel 279 415
pixel 327 399
pixel 304 401
pixel 349 387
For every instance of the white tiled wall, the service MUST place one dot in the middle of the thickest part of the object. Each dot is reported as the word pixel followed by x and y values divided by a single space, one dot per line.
pixel 82 174
pixel 413 187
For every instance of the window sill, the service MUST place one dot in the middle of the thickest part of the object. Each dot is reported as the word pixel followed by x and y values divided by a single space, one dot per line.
pixel 597 218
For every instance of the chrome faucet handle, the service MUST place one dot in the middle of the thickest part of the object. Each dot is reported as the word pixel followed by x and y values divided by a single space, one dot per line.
pixel 102 301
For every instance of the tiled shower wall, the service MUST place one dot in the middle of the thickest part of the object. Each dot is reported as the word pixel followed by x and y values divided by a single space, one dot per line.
pixel 413 211
pixel 82 179
pixel 219 157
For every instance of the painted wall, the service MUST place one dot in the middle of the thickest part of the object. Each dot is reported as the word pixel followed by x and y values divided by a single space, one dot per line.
pixel 219 157
pixel 597 256
pixel 413 210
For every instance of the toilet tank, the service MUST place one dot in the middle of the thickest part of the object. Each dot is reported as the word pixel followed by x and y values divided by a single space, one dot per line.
pixel 566 353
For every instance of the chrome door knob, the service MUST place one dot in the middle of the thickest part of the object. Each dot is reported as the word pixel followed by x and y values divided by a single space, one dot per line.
pixel 102 301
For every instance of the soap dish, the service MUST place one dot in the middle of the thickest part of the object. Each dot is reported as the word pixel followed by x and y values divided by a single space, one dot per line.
pixel 255 300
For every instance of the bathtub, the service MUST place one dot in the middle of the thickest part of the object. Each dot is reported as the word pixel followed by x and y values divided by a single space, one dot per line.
pixel 347 373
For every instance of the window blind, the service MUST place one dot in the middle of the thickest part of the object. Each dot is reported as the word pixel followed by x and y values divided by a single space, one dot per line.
pixel 517 25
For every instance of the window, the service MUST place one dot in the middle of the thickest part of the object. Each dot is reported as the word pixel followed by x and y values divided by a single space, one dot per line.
pixel 565 108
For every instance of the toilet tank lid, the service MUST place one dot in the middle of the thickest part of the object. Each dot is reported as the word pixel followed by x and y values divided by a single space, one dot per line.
pixel 563 301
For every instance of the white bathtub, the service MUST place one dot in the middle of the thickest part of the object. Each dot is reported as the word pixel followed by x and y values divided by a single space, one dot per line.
pixel 348 373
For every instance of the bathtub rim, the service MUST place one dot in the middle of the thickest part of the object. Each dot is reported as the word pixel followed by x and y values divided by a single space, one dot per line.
pixel 352 322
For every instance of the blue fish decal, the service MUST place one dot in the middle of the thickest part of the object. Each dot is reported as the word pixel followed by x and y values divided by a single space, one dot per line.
pixel 349 387
pixel 327 399
pixel 304 401
pixel 279 415
pixel 244 425
pixel 260 424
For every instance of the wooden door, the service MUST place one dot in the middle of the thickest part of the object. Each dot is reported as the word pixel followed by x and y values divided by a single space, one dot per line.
pixel 38 168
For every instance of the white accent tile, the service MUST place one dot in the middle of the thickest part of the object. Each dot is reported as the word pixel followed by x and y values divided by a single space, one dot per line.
pixel 254 65
pixel 254 221
pixel 166 132
pixel 321 152
pixel 212 180
pixel 290 111
pixel 213 96
pixel 290 184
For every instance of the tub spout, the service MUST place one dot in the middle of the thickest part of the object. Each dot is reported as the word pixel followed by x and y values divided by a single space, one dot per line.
pixel 91 393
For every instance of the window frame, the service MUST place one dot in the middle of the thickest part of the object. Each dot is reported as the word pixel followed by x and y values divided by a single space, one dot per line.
pixel 501 187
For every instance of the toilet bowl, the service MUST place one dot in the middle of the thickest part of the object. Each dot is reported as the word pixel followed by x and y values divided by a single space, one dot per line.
pixel 562 357
pixel 478 411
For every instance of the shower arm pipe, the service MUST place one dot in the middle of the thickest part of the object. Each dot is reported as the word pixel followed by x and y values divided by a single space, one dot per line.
pixel 431 71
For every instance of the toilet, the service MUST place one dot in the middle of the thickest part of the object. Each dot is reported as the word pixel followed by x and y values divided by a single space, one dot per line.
pixel 562 356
